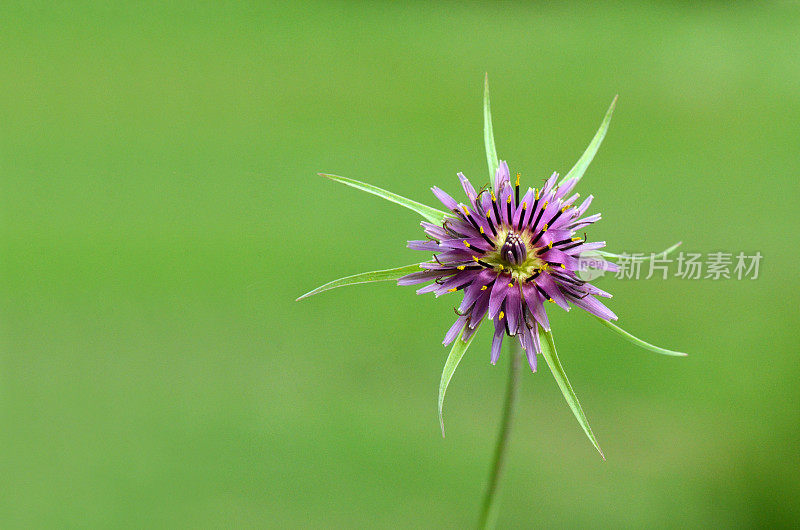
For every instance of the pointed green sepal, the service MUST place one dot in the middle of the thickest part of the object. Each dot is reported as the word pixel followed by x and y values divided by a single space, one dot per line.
pixel 583 162
pixel 639 342
pixel 550 355
pixel 431 214
pixel 456 353
pixel 664 253
pixel 488 132
pixel 365 277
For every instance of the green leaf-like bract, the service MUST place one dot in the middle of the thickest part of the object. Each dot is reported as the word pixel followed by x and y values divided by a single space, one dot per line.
pixel 550 355
pixel 488 132
pixel 639 342
pixel 583 162
pixel 431 214
pixel 365 277
pixel 456 353
pixel 664 253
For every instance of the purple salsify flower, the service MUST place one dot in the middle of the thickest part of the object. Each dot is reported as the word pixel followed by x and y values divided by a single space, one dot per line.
pixel 510 254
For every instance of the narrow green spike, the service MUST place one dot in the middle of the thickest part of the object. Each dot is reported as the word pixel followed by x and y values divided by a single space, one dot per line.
pixel 488 133
pixel 664 253
pixel 583 162
pixel 639 342
pixel 550 355
pixel 365 277
pixel 456 353
pixel 431 214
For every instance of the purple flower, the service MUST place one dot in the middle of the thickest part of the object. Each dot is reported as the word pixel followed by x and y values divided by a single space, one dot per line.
pixel 510 253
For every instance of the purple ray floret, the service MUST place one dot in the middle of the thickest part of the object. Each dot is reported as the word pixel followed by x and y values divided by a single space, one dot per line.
pixel 509 254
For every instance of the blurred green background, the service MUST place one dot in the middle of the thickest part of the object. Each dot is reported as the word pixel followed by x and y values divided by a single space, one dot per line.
pixel 161 212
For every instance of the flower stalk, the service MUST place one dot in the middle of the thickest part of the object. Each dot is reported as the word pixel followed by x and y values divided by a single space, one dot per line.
pixel 488 516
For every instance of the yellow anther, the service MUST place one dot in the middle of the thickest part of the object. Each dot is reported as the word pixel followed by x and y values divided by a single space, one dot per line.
pixel 461 267
pixel 466 243
pixel 537 195
pixel 550 245
pixel 475 258
pixel 509 199
pixel 564 209
pixel 466 212
pixel 511 284
pixel 563 266
pixel 501 315
pixel 451 290
pixel 488 214
pixel 576 239
pixel 544 229
pixel 545 204
pixel 481 229
pixel 524 205
pixel 494 198
pixel 551 300
pixel 517 184
pixel 484 287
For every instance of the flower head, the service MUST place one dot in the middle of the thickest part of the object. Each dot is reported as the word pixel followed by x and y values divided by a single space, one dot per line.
pixel 510 254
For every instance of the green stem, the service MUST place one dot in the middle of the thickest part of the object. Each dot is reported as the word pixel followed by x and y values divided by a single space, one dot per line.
pixel 489 510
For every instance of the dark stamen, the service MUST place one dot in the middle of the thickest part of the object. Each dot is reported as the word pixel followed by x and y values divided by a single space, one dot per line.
pixel 543 293
pixel 557 243
pixel 484 236
pixel 494 207
pixel 533 276
pixel 539 217
pixel 469 218
pixel 557 215
pixel 568 279
pixel 481 262
pixel 539 235
pixel 491 224
pixel 573 245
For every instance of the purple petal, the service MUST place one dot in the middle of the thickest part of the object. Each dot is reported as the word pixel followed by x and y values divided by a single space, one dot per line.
pixel 479 309
pixel 551 288
pixel 499 291
pixel 497 340
pixel 469 189
pixel 420 277
pixel 535 303
pixel 594 306
pixel 513 310
pixel 584 205
pixel 501 176
pixel 469 331
pixel 435 231
pixel 446 199
pixel 475 289
pixel 527 340
pixel 454 330
pixel 586 221
pixel 527 200
pixel 426 245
